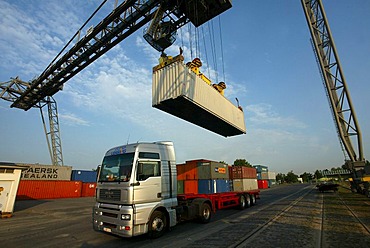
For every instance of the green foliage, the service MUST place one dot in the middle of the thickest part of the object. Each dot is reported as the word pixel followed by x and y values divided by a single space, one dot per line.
pixel 242 162
pixel 291 177
pixel 318 174
pixel 306 177
pixel 280 177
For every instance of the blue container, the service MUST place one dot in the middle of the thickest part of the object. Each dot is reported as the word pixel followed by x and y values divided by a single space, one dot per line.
pixel 206 186
pixel 222 185
pixel 84 176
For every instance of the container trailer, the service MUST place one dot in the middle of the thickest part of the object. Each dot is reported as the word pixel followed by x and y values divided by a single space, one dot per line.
pixel 137 193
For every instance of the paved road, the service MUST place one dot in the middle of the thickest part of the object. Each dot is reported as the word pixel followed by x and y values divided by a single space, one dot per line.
pixel 67 223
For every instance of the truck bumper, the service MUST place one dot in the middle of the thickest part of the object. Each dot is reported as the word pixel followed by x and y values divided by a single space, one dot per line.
pixel 115 219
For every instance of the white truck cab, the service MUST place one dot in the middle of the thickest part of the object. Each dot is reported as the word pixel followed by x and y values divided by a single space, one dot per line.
pixel 137 190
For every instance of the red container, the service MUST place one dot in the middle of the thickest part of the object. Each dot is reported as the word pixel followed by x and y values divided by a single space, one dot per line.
pixel 48 189
pixel 262 184
pixel 88 190
pixel 191 187
pixel 243 172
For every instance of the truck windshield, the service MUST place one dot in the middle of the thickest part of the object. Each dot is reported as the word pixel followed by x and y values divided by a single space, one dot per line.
pixel 116 168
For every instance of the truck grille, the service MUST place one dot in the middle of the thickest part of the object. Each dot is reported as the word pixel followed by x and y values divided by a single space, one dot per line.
pixel 110 194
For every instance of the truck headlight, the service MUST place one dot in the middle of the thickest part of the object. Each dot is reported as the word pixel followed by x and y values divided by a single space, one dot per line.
pixel 125 217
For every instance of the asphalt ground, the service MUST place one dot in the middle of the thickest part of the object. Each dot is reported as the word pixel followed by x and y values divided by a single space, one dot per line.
pixel 285 216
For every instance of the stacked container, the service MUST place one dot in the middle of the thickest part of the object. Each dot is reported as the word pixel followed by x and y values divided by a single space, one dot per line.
pixel 202 177
pixel 244 178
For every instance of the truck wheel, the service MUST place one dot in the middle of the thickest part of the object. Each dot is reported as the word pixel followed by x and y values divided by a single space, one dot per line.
pixel 242 202
pixel 205 213
pixel 253 200
pixel 157 224
pixel 248 199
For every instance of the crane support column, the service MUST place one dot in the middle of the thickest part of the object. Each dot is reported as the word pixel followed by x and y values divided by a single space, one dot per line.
pixel 334 81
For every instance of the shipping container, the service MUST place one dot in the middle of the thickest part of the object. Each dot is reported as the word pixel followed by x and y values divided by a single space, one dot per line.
pixel 85 176
pixel 240 185
pixel 261 168
pixel 222 185
pixel 180 187
pixel 190 170
pixel 191 187
pixel 263 184
pixel 211 186
pixel 206 186
pixel 88 190
pixel 48 189
pixel 177 90
pixel 180 168
pixel 47 172
pixel 240 172
pixel 212 170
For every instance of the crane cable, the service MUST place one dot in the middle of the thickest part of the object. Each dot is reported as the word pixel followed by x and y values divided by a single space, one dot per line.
pixel 77 33
pixel 222 50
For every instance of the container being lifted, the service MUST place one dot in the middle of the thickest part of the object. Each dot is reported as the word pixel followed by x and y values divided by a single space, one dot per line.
pixel 179 91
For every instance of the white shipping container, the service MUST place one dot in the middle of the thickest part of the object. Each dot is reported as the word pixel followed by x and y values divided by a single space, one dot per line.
pixel 47 172
pixel 244 184
pixel 179 91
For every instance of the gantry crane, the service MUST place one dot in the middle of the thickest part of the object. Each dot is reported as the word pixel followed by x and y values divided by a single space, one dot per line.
pixel 167 17
pixel 344 115
pixel 125 19
pixel 11 91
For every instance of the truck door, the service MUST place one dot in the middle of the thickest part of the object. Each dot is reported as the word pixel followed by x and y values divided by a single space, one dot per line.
pixel 148 182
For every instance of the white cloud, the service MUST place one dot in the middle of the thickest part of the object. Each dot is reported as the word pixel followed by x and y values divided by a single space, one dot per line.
pixel 72 120
pixel 264 114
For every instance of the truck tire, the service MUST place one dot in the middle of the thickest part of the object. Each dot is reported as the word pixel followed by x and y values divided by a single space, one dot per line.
pixel 253 199
pixel 157 224
pixel 205 213
pixel 242 202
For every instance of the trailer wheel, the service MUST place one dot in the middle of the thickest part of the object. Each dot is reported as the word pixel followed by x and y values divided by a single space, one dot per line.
pixel 157 224
pixel 242 202
pixel 205 213
pixel 248 199
pixel 253 199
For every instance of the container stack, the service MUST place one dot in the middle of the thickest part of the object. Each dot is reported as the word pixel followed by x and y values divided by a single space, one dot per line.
pixel 244 178
pixel 202 177
pixel 266 178
pixel 50 182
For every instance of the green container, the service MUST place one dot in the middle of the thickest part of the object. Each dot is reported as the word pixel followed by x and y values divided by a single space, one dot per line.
pixel 180 187
pixel 212 170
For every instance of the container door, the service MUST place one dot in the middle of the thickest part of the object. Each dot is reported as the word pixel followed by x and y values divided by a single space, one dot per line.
pixel 5 187
pixel 148 182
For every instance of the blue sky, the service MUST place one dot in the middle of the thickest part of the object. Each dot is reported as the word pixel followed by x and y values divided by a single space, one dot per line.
pixel 269 65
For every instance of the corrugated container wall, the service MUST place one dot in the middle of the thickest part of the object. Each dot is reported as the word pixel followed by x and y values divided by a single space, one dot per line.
pixel 191 187
pixel 212 170
pixel 88 189
pixel 240 172
pixel 244 184
pixel 84 176
pixel 47 172
pixel 49 189
pixel 179 91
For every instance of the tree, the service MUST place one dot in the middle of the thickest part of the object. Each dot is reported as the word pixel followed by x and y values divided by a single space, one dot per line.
pixel 242 162
pixel 291 177
pixel 306 177
pixel 318 174
pixel 280 177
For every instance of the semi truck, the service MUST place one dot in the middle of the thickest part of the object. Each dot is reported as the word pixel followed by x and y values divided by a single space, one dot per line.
pixel 137 193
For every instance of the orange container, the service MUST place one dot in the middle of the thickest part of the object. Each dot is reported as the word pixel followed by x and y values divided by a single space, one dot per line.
pixel 180 172
pixel 191 187
pixel 88 190
pixel 190 170
pixel 48 189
